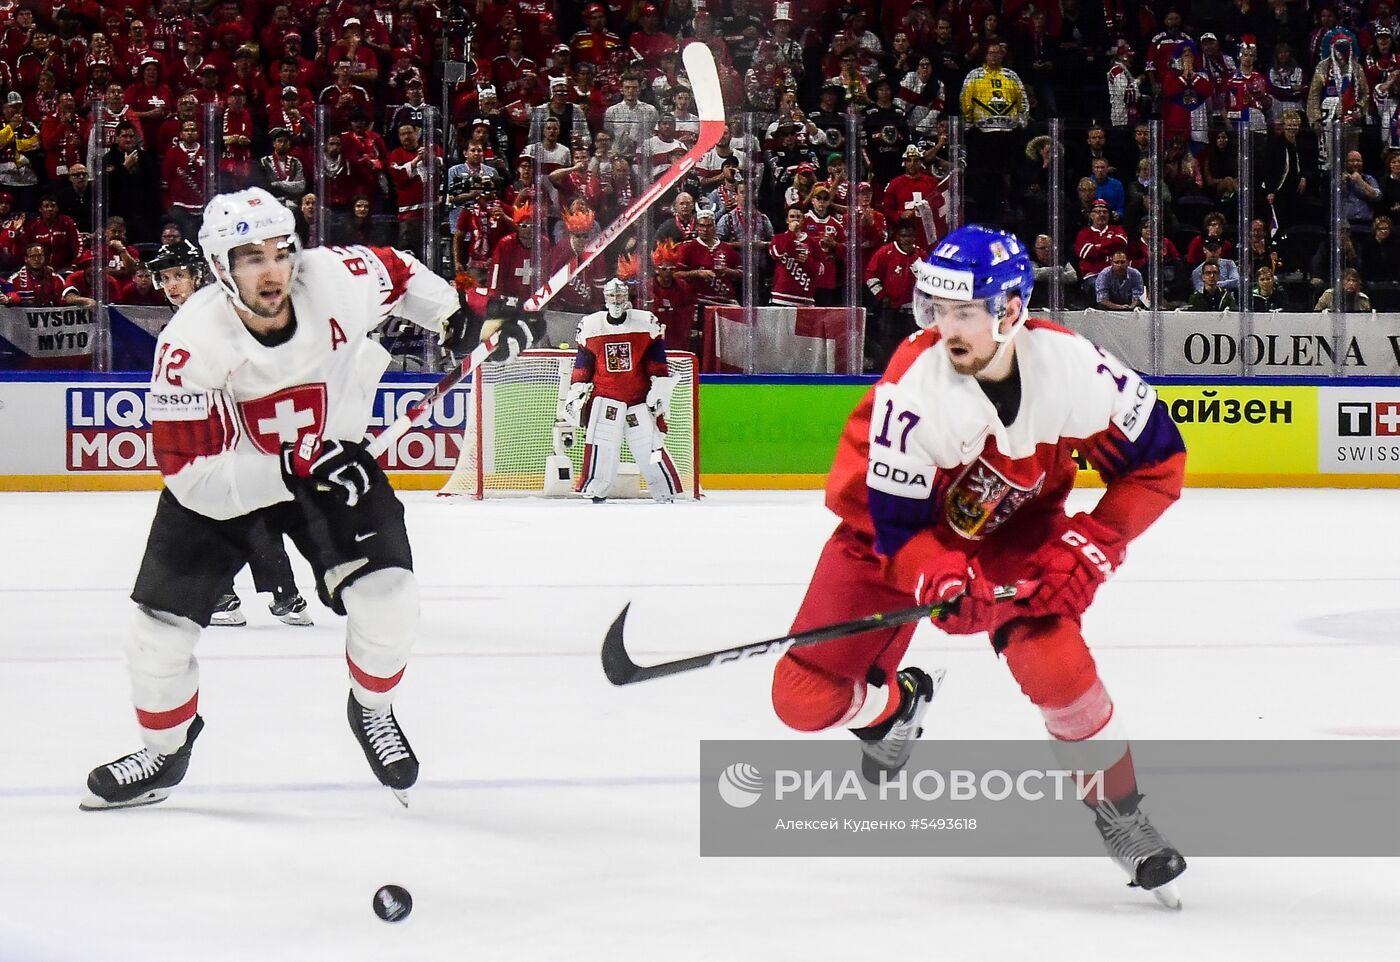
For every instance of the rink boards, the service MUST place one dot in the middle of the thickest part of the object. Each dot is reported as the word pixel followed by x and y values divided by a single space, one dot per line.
pixel 90 432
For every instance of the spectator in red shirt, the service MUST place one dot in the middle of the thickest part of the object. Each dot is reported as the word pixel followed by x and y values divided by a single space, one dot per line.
pixel 364 65
pixel 368 156
pixel 11 234
pixel 230 30
pixel 798 263
pixel 340 180
pixel 62 137
pixel 186 110
pixel 409 166
pixel 36 283
pixel 890 279
pixel 308 73
pixel 210 89
pixel 183 180
pixel 709 264
pixel 141 290
pixel 345 97
pixel 248 74
pixel 150 99
pixel 184 74
pixel 79 287
pixel 673 300
pixel 236 162
pixel 595 43
pixel 56 232
pixel 1096 244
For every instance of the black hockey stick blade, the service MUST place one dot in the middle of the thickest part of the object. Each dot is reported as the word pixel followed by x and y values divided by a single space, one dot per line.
pixel 620 669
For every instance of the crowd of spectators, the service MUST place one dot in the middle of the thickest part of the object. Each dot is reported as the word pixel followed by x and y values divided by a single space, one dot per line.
pixel 832 177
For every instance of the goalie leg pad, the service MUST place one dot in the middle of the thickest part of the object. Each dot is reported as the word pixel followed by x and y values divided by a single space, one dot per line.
pixel 164 676
pixel 663 480
pixel 604 437
pixel 383 612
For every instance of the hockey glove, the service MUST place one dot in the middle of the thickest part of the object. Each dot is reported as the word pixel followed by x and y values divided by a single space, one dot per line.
pixel 517 335
pixel 1063 574
pixel 953 578
pixel 479 315
pixel 576 401
pixel 343 469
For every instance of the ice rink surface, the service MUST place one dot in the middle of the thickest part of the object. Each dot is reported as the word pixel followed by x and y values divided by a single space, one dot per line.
pixel 556 817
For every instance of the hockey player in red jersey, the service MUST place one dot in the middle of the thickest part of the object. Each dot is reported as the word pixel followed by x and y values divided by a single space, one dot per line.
pixel 950 479
pixel 259 403
pixel 621 379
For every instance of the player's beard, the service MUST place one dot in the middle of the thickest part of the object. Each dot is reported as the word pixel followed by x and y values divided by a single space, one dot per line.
pixel 258 305
pixel 967 363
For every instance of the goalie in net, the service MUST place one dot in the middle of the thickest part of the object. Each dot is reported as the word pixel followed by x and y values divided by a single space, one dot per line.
pixel 621 387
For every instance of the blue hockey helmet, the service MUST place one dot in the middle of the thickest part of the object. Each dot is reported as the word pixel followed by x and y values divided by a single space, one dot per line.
pixel 975 263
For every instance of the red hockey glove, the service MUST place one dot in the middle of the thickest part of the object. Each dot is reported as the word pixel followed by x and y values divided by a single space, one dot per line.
pixel 1063 574
pixel 955 579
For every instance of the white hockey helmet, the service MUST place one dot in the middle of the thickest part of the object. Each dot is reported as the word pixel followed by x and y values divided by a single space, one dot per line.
pixel 244 217
pixel 617 299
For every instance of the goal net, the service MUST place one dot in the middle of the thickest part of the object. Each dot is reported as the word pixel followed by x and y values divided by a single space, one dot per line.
pixel 511 441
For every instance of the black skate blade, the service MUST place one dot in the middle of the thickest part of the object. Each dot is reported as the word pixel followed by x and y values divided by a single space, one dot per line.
pixel 93 803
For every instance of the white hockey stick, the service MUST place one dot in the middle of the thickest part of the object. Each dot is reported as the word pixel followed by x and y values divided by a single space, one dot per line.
pixel 709 102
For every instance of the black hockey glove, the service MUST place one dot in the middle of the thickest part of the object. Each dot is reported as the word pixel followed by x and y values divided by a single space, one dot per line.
pixel 343 469
pixel 470 324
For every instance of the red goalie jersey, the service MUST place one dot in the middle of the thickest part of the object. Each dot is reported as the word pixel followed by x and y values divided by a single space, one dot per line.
pixel 620 359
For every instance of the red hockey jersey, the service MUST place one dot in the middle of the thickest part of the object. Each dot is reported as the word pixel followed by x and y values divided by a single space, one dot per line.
pixel 620 359
pixel 925 465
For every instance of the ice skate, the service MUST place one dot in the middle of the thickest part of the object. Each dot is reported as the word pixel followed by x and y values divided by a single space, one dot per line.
pixel 290 609
pixel 887 746
pixel 386 749
pixel 1132 841
pixel 141 778
pixel 228 613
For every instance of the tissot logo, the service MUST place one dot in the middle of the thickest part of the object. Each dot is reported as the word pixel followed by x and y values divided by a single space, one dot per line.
pixel 1361 419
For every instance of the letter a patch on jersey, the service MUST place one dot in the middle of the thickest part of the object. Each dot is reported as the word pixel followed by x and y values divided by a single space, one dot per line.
pixel 337 335
pixel 284 417
pixel 617 356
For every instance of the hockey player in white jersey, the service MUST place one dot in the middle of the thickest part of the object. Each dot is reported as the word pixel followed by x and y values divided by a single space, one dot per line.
pixel 623 383
pixel 179 271
pixel 260 397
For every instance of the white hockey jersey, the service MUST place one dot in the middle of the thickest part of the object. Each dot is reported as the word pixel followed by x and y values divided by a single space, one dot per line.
pixel 620 359
pixel 222 404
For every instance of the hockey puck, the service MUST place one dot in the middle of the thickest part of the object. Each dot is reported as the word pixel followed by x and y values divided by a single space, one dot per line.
pixel 392 903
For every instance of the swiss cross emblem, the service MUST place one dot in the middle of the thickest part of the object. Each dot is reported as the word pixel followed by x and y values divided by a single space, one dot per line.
pixel 617 357
pixel 284 417
pixel 1387 419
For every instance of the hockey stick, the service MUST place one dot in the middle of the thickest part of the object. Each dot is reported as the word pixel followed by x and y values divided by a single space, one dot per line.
pixel 622 670
pixel 709 102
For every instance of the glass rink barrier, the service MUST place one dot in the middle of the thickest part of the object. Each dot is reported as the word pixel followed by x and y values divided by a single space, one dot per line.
pixel 784 247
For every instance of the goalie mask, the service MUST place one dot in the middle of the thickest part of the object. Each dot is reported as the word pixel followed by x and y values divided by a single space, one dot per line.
pixel 617 300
